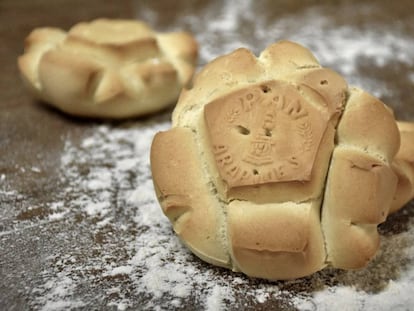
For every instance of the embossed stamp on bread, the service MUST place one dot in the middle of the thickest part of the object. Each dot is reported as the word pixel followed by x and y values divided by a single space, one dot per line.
pixel 267 133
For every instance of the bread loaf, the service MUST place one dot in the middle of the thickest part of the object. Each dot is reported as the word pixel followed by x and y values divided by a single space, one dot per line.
pixel 108 68
pixel 275 167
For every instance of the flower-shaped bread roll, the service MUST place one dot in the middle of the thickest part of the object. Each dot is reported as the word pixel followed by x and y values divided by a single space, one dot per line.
pixel 108 68
pixel 275 167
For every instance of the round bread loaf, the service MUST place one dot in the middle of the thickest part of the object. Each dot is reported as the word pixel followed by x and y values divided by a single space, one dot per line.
pixel 275 167
pixel 108 68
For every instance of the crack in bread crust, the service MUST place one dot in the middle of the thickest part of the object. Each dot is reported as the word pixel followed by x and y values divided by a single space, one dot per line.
pixel 361 184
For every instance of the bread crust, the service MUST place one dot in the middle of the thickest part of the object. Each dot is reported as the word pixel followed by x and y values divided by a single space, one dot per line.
pixel 304 167
pixel 285 238
pixel 358 195
pixel 403 166
pixel 185 196
pixel 108 68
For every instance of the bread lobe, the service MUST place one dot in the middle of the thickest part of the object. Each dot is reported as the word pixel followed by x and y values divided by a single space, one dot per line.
pixel 285 238
pixel 185 196
pixel 361 183
pixel 403 166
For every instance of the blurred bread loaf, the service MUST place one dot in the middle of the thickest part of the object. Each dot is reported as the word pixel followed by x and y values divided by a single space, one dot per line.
pixel 108 68
pixel 275 167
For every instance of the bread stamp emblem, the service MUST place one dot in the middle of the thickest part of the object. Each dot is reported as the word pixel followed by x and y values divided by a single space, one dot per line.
pixel 264 133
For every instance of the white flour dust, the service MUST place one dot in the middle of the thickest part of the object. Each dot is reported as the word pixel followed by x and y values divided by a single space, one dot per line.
pixel 222 28
pixel 157 271
pixel 339 46
pixel 107 177
pixel 130 257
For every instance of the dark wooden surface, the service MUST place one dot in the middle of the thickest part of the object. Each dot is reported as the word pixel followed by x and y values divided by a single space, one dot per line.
pixel 33 135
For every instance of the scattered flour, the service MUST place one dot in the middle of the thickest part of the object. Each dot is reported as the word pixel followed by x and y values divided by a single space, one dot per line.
pixel 136 262
pixel 223 28
pixel 121 270
pixel 157 272
pixel 59 295
pixel 262 296
pixel 215 299
pixel 94 208
pixel 35 169
pixel 339 46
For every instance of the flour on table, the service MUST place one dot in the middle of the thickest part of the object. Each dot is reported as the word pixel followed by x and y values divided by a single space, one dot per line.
pixel 108 184
pixel 131 258
pixel 224 28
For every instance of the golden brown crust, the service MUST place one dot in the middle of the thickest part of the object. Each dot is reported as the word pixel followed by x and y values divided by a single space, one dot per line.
pixel 57 68
pixel 361 183
pixel 115 33
pixel 406 151
pixel 185 197
pixel 293 191
pixel 111 68
pixel 403 166
pixel 267 133
pixel 285 238
pixel 36 43
pixel 180 45
pixel 284 56
pixel 305 113
pixel 222 75
pixel 405 185
pixel 369 125
pixel 278 137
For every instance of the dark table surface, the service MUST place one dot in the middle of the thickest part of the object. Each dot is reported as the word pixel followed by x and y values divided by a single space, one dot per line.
pixel 79 224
